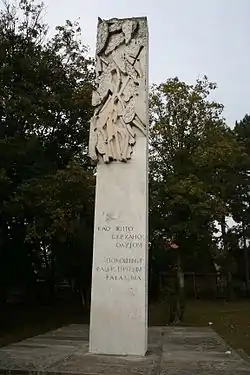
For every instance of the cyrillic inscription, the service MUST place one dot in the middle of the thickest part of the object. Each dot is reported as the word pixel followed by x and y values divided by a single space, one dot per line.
pixel 122 268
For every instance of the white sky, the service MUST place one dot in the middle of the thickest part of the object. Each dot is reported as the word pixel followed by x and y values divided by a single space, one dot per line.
pixel 188 38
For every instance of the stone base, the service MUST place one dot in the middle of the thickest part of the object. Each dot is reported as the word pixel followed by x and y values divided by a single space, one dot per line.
pixel 172 351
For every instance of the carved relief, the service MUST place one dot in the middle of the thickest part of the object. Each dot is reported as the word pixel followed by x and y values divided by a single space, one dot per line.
pixel 119 79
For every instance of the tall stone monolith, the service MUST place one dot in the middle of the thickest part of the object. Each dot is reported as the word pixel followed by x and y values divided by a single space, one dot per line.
pixel 119 145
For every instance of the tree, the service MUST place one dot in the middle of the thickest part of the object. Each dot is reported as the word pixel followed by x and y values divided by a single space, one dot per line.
pixel 192 154
pixel 241 201
pixel 45 106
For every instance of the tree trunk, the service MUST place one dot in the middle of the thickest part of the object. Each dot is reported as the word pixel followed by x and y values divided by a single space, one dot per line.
pixel 225 247
pixel 177 302
pixel 52 279
pixel 181 286
pixel 84 297
pixel 49 265
pixel 246 260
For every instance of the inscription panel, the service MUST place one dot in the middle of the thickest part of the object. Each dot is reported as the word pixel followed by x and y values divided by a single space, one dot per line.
pixel 122 268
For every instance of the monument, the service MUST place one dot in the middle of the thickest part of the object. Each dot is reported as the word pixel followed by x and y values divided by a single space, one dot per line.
pixel 118 143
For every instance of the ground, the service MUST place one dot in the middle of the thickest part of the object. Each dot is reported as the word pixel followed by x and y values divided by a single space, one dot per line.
pixel 171 351
pixel 231 320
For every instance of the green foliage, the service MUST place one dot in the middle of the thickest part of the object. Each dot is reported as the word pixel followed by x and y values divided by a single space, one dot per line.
pixel 46 183
pixel 193 160
pixel 199 168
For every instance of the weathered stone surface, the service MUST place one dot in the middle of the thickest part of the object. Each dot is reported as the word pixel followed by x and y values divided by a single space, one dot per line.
pixel 172 351
pixel 118 322
pixel 121 94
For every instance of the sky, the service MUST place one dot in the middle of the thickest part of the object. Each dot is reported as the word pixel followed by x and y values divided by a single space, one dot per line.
pixel 187 38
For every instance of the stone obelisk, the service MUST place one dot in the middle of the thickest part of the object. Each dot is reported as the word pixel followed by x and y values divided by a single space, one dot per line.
pixel 118 143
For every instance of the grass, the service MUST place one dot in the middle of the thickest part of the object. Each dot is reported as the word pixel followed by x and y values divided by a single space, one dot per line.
pixel 18 323
pixel 230 320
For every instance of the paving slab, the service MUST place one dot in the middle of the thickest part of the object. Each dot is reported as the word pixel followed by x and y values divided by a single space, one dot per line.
pixel 171 351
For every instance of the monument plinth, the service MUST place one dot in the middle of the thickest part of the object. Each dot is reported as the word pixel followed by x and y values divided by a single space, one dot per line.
pixel 119 145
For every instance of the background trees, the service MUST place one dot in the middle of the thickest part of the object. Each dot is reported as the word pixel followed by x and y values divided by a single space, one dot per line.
pixel 199 167
pixel 46 181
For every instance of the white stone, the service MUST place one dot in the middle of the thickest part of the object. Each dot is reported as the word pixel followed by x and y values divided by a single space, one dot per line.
pixel 120 99
pixel 119 307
